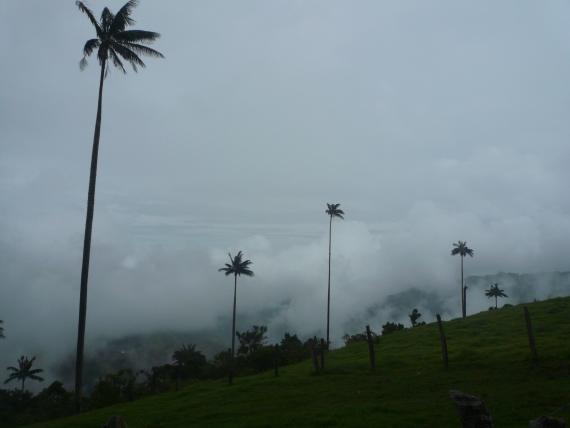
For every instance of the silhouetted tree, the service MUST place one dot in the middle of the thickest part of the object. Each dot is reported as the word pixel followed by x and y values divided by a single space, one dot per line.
pixel 391 327
pixel 355 338
pixel 116 44
pixel 190 361
pixel 222 362
pixel 54 401
pixel 332 210
pixel 496 292
pixel 291 349
pixel 251 340
pixel 237 267
pixel 262 359
pixel 24 371
pixel 158 378
pixel 113 388
pixel 1 329
pixel 414 317
pixel 461 248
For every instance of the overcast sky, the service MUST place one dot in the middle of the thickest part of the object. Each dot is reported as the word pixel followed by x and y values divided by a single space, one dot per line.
pixel 428 121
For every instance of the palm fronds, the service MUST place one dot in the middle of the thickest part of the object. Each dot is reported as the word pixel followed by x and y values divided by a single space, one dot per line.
pixel 137 36
pixel 461 248
pixel 91 17
pixel 334 211
pixel 24 371
pixel 114 42
pixel 495 291
pixel 123 17
pixel 237 266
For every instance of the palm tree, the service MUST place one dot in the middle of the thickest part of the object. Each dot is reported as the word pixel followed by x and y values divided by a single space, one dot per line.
pixel 461 248
pixel 236 267
pixel 1 330
pixel 116 44
pixel 332 210
pixel 24 371
pixel 496 292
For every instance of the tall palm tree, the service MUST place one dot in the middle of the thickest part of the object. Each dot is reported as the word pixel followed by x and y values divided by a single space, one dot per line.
pixel 461 248
pixel 496 292
pixel 24 371
pixel 116 44
pixel 332 210
pixel 236 267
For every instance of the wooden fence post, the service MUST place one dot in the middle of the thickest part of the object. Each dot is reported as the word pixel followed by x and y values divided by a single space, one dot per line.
pixel 231 371
pixel 314 354
pixel 443 342
pixel 530 334
pixel 276 360
pixel 177 374
pixel 323 349
pixel 370 348
pixel 153 381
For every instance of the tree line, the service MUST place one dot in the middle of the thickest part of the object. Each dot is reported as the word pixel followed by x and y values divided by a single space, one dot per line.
pixel 188 364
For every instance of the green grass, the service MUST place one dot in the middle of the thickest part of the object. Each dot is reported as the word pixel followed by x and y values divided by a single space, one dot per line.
pixel 488 354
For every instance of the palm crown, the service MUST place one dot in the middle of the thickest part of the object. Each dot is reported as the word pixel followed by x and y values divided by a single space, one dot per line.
pixel 24 371
pixel 237 266
pixel 334 211
pixel 495 291
pixel 461 248
pixel 114 42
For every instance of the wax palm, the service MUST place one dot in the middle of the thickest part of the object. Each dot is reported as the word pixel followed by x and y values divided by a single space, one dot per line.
pixel 116 44
pixel 332 210
pixel 24 371
pixel 238 266
pixel 496 292
pixel 460 248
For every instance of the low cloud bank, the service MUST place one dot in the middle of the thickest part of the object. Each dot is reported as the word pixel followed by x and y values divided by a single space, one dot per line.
pixel 379 273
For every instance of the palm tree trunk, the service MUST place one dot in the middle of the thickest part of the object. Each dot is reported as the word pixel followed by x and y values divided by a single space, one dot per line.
pixel 233 333
pixel 329 286
pixel 462 291
pixel 495 302
pixel 87 249
pixel 23 380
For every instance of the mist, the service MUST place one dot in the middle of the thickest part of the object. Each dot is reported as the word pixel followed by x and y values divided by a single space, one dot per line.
pixel 429 124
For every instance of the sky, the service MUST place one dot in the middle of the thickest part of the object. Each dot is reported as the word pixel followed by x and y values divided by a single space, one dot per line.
pixel 429 122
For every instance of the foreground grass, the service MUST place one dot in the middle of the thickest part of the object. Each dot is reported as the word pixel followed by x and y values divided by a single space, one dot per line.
pixel 488 354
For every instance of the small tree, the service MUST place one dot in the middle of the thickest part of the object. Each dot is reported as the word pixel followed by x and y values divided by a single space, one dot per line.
pixel 291 349
pixel 54 401
pixel 113 388
pixel 190 362
pixel 262 359
pixel 251 340
pixel 414 317
pixel 222 363
pixel 24 371
pixel 496 292
pixel 391 327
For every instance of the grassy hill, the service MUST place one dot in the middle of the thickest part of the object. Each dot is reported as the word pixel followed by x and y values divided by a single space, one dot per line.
pixel 489 357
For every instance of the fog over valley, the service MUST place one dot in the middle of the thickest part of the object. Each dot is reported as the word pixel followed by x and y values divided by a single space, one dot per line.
pixel 429 124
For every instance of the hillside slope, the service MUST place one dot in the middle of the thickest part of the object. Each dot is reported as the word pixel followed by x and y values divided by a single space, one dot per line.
pixel 489 357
